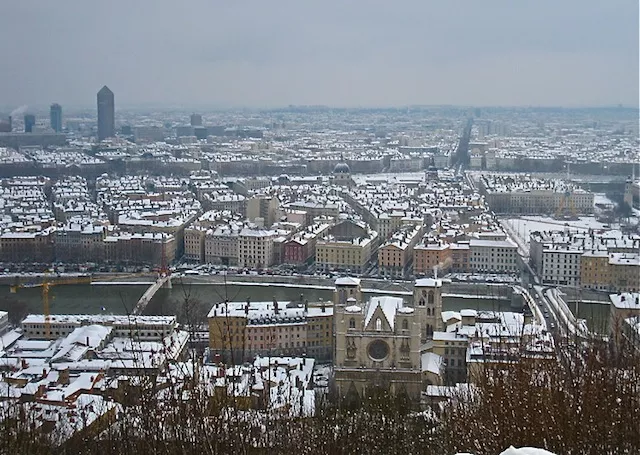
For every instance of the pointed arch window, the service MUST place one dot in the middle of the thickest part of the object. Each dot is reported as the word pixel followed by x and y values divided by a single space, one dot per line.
pixel 431 299
pixel 352 323
pixel 405 324
pixel 378 324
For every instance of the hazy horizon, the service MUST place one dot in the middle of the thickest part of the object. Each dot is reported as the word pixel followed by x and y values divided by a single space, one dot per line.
pixel 259 55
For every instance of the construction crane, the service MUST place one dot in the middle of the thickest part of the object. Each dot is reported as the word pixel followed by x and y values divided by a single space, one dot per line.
pixel 566 207
pixel 46 286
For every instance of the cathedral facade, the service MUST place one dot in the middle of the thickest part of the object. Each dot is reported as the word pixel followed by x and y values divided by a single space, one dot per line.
pixel 378 343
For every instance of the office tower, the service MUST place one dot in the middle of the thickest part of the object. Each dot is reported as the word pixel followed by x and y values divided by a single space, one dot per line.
pixel 29 123
pixel 196 120
pixel 106 114
pixel 5 125
pixel 56 117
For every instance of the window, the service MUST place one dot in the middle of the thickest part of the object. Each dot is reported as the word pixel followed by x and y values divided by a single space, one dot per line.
pixel 378 324
pixel 352 323
pixel 431 298
pixel 405 324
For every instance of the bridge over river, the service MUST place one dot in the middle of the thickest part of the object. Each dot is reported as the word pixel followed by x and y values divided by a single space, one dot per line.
pixel 163 281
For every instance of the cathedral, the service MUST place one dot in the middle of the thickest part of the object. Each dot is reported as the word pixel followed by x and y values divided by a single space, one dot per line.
pixel 379 343
pixel 341 175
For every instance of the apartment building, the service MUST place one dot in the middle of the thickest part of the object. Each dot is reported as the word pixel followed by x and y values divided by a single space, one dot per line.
pixel 263 210
pixel 221 245
pixel 624 318
pixel 194 243
pixel 256 248
pixel 475 338
pixel 198 237
pixel 396 254
pixel 347 246
pixel 79 242
pixel 524 194
pixel 427 257
pixel 452 348
pixel 153 248
pixel 460 257
pixel 595 260
pixel 625 272
pixel 594 270
pixel 147 328
pixel 245 330
pixel 301 248
pixel 28 246
pixel 614 272
pixel 314 209
pixel 493 256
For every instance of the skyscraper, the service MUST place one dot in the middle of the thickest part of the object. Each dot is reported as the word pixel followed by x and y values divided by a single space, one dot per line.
pixel 29 123
pixel 196 120
pixel 56 117
pixel 106 114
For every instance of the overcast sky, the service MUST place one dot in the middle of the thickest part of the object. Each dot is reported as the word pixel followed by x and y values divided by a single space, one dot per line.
pixel 339 53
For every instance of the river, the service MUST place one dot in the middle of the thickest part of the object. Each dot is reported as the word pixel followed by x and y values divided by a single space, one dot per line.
pixel 121 298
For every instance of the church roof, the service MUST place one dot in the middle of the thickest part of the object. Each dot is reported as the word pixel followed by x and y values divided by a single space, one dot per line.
pixel 428 282
pixel 342 168
pixel 348 281
pixel 387 304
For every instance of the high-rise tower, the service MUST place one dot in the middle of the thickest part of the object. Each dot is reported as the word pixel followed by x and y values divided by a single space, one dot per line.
pixel 55 115
pixel 29 123
pixel 106 114
pixel 196 120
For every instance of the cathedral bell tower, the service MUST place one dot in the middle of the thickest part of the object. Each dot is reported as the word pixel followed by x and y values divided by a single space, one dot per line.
pixel 427 301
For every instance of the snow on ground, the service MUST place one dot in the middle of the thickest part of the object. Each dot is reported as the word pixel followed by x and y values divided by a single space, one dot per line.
pixel 525 451
pixel 523 226
pixel 521 451
pixel 601 198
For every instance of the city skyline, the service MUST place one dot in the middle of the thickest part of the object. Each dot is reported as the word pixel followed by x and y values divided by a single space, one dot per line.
pixel 254 55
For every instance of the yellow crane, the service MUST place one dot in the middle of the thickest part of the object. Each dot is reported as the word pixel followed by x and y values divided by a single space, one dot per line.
pixel 566 207
pixel 46 286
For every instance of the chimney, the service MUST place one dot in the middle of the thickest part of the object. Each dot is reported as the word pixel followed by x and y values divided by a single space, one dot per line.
pixel 63 377
pixel 41 390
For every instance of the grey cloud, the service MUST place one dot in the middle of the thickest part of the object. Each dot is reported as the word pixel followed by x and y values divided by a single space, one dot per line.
pixel 333 52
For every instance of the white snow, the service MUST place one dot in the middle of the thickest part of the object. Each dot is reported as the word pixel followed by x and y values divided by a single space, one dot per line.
pixel 525 451
pixel 521 451
pixel 523 227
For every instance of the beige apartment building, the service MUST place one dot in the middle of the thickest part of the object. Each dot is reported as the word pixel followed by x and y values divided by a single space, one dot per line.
pixel 396 254
pixel 256 248
pixel 348 246
pixel 264 209
pixel 245 330
pixel 194 243
pixel 221 245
